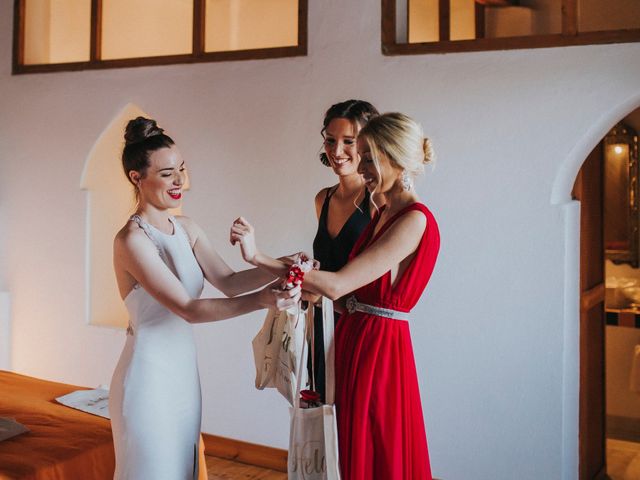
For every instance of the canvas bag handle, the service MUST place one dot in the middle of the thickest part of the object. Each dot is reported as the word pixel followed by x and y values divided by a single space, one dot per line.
pixel 328 323
pixel 301 362
pixel 329 354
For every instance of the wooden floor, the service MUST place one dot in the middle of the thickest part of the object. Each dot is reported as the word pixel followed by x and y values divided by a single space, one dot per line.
pixel 623 460
pixel 220 469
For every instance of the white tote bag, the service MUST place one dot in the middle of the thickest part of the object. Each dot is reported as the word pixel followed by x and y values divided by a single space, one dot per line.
pixel 274 350
pixel 313 439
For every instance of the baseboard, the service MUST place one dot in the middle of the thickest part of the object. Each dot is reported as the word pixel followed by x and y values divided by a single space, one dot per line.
pixel 245 452
pixel 623 428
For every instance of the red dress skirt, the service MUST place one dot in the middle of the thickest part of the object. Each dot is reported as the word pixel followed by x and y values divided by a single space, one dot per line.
pixel 381 429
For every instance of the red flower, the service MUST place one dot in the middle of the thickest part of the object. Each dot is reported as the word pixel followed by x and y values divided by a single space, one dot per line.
pixel 309 396
pixel 295 276
pixel 309 399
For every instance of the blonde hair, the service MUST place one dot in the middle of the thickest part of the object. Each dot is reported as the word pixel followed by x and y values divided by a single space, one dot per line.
pixel 401 139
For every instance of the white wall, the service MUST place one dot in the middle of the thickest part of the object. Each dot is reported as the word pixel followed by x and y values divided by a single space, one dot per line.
pixel 489 331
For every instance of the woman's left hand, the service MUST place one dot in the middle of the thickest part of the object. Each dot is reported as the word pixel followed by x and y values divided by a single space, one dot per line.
pixel 243 232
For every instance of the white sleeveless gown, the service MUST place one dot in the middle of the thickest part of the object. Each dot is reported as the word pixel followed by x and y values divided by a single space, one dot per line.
pixel 155 401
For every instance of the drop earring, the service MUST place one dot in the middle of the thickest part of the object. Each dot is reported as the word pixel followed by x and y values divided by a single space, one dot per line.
pixel 405 181
pixel 324 159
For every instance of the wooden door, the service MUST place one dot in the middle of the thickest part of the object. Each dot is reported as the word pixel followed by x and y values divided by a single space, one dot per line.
pixel 589 190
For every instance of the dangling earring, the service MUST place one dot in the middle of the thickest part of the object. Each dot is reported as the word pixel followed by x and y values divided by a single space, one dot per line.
pixel 324 159
pixel 405 181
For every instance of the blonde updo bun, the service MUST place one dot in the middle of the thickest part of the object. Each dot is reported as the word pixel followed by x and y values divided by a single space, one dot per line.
pixel 400 139
pixel 429 154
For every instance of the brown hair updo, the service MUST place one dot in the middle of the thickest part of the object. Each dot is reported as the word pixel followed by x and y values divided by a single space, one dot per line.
pixel 142 136
pixel 358 112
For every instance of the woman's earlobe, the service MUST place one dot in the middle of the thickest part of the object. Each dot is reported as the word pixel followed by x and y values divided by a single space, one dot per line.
pixel 135 179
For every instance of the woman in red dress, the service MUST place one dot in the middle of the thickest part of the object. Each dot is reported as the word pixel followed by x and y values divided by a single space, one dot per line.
pixel 380 422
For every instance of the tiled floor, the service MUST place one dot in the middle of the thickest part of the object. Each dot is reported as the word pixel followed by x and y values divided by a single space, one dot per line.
pixel 220 469
pixel 623 460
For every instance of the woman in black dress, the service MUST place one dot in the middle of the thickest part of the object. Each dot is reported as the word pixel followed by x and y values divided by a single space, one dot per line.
pixel 343 210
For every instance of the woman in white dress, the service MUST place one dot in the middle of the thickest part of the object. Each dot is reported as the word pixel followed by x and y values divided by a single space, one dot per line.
pixel 160 263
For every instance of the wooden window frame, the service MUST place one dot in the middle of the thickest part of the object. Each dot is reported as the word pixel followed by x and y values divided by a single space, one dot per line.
pixel 198 55
pixel 569 36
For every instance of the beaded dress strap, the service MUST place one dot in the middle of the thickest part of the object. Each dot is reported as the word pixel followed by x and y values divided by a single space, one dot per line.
pixel 145 227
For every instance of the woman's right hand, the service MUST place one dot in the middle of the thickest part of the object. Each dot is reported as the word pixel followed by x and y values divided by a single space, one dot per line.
pixel 243 232
pixel 272 296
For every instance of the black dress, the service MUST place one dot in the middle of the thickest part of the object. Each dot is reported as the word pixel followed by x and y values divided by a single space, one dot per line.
pixel 333 254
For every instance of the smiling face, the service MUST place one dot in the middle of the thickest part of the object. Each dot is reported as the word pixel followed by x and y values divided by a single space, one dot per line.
pixel 165 176
pixel 379 176
pixel 340 146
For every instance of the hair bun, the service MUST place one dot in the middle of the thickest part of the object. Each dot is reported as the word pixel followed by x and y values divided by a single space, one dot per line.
pixel 139 129
pixel 427 149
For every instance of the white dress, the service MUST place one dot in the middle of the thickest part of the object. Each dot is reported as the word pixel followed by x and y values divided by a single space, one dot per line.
pixel 155 401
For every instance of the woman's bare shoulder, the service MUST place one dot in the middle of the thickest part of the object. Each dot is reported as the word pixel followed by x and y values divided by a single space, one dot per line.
pixel 128 236
pixel 411 223
pixel 320 196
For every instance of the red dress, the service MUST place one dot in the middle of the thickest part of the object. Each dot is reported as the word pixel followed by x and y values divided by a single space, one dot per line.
pixel 381 430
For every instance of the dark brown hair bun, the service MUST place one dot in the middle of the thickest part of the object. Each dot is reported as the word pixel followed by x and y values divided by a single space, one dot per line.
pixel 139 129
pixel 142 136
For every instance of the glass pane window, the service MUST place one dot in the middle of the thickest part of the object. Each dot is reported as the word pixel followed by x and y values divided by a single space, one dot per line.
pixel 58 35
pixel 423 21
pixel 462 22
pixel 535 17
pixel 472 19
pixel 146 28
pixel 596 15
pixel 56 31
pixel 250 24
pixel 452 26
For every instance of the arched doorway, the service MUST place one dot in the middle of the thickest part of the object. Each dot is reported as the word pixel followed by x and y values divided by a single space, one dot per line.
pixel 608 446
pixel 569 209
